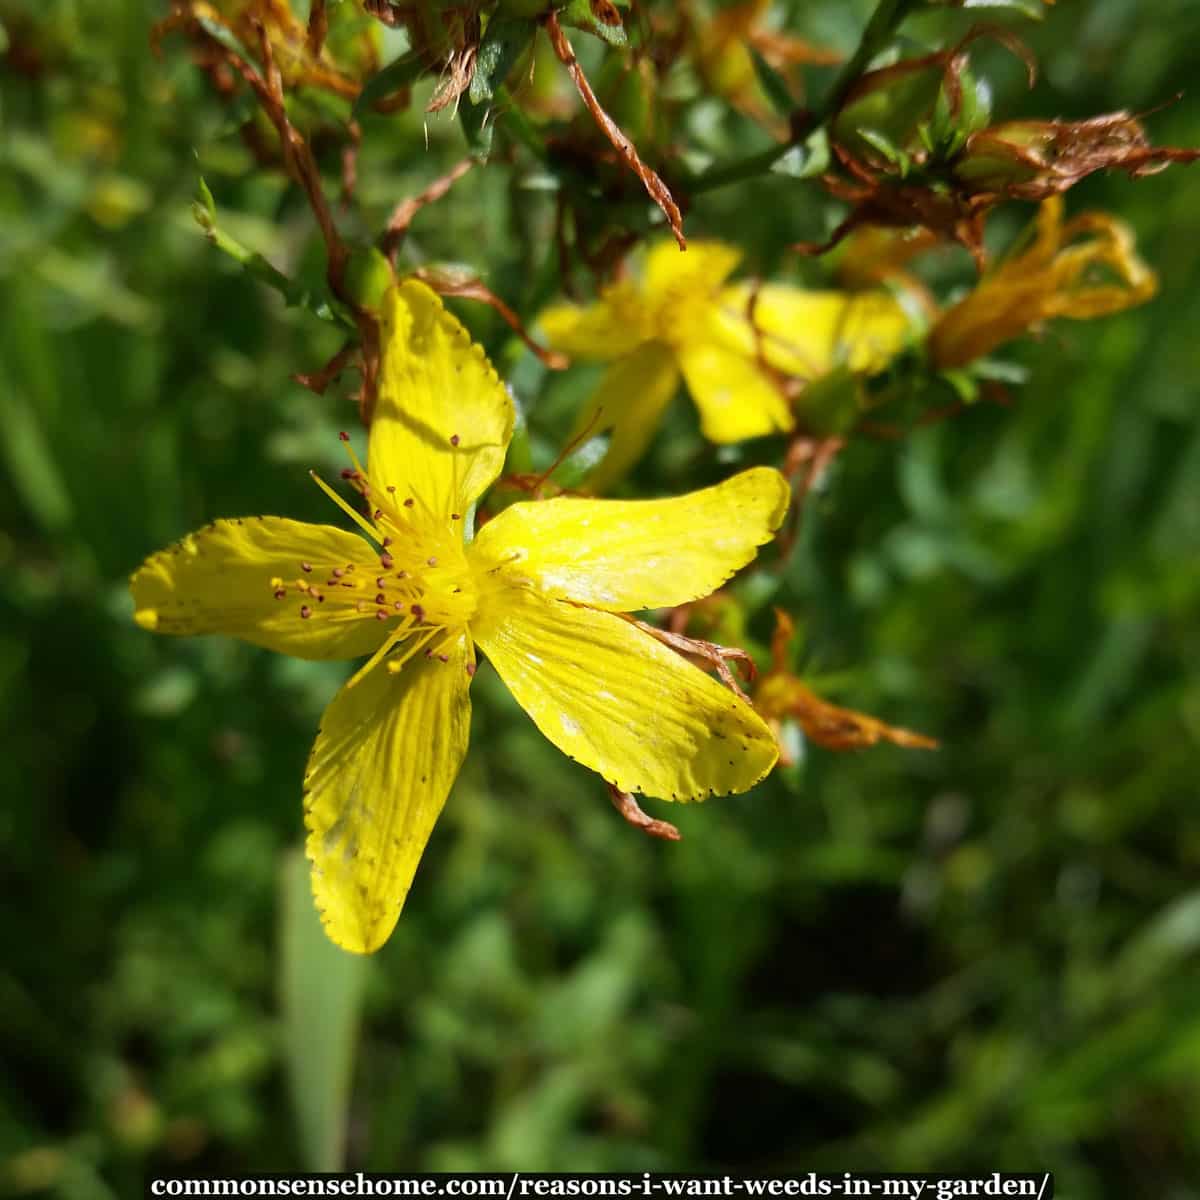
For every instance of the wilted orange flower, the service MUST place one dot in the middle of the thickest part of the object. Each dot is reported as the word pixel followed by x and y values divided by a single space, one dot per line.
pixel 1031 160
pixel 780 694
pixel 1084 268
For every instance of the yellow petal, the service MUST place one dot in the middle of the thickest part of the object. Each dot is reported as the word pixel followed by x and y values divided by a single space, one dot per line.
pixel 629 403
pixel 626 555
pixel 612 697
pixel 736 396
pixel 443 419
pixel 611 328
pixel 225 579
pixel 669 273
pixel 382 766
pixel 809 333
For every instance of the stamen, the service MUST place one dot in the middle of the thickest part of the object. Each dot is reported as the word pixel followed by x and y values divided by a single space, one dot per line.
pixel 306 567
pixel 305 612
pixel 365 526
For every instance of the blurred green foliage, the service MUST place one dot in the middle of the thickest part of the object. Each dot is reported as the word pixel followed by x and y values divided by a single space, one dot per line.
pixel 983 958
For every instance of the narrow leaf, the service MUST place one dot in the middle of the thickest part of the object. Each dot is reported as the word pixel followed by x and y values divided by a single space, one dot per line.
pixel 321 991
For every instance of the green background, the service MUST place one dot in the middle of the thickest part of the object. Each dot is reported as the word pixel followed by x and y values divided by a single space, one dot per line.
pixel 983 958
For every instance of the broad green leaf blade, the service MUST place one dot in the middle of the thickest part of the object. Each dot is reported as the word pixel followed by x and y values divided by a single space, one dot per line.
pixel 321 991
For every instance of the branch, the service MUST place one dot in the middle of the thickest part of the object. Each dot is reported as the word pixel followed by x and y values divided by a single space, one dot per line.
pixel 658 191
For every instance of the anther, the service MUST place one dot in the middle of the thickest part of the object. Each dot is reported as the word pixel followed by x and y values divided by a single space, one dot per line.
pixel 382 614
pixel 397 605
pixel 387 562
pixel 454 439
pixel 392 488
pixel 381 599
pixel 455 517
pixel 387 541
pixel 432 561
pixel 343 436
pixel 381 582
pixel 305 611
pixel 337 572
pixel 306 567
pixel 377 515
pixel 280 593
pixel 418 612
pixel 471 669
pixel 443 658
pixel 409 502
pixel 348 472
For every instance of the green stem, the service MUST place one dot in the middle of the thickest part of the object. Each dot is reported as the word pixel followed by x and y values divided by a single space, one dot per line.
pixel 883 23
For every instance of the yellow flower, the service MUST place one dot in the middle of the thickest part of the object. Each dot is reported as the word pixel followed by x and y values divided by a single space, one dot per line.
pixel 1085 268
pixel 541 590
pixel 728 341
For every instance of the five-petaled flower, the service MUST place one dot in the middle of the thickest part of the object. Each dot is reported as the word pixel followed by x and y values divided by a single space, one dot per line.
pixel 542 590
pixel 731 343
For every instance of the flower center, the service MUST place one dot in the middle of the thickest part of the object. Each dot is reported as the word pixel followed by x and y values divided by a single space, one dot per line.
pixel 417 583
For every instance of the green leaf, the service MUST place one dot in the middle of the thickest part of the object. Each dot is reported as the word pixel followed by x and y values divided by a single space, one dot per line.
pixel 808 159
pixel 321 989
pixel 296 294
pixel 396 75
pixel 1034 10
pixel 477 126
pixel 220 33
pixel 599 17
pixel 503 43
pixel 773 84
pixel 884 145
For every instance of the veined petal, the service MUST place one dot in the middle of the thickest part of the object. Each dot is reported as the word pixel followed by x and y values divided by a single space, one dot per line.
pixel 612 327
pixel 443 419
pixel 629 402
pixel 736 396
pixel 383 764
pixel 248 578
pixel 625 555
pixel 612 697
pixel 809 333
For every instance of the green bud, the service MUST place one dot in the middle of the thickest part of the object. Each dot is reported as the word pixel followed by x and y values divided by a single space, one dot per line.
pixel 368 277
